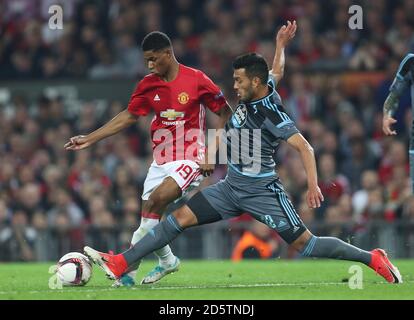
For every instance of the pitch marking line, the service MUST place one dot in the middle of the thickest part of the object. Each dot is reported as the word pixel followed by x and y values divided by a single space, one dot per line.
pixel 139 288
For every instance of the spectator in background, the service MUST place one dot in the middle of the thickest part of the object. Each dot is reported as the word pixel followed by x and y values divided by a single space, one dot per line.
pixel 129 56
pixel 395 156
pixel 397 191
pixel 131 206
pixel 301 102
pixel 63 204
pixel 29 197
pixel 101 231
pixel 369 182
pixel 17 240
pixel 332 184
pixel 360 159
pixel 5 214
pixel 43 238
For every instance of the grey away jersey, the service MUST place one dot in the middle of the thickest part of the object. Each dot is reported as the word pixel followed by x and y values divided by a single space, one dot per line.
pixel 254 132
pixel 405 77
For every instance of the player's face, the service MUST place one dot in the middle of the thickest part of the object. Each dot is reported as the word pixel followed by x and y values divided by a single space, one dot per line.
pixel 243 85
pixel 157 62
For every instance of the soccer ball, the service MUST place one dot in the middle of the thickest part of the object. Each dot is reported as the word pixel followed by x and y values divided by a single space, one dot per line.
pixel 74 269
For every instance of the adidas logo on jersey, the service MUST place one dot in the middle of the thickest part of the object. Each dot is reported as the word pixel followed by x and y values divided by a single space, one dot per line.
pixel 157 98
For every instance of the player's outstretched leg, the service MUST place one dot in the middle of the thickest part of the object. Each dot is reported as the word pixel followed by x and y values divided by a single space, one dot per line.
pixel 167 192
pixel 115 266
pixel 334 248
pixel 152 209
pixel 168 262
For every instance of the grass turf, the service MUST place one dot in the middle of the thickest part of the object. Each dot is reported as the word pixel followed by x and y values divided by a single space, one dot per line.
pixel 222 280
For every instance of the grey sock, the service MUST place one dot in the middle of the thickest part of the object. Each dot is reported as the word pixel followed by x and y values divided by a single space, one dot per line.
pixel 162 234
pixel 334 248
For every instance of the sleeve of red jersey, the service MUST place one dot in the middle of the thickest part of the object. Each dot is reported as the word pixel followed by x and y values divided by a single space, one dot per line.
pixel 138 103
pixel 209 93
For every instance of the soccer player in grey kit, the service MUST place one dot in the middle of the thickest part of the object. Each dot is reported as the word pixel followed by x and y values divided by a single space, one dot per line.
pixel 403 79
pixel 259 192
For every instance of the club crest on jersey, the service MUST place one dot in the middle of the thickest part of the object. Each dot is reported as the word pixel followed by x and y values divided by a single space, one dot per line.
pixel 183 97
pixel 239 116
pixel 171 114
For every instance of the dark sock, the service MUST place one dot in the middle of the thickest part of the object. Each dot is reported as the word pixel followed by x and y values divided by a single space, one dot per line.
pixel 334 248
pixel 162 234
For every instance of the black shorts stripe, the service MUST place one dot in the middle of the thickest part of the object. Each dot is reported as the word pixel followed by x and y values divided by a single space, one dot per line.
pixel 202 209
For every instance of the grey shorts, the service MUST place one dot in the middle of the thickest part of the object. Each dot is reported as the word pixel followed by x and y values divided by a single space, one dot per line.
pixel 266 201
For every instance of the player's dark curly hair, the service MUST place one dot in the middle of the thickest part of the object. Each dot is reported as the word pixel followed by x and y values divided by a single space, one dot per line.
pixel 254 64
pixel 155 41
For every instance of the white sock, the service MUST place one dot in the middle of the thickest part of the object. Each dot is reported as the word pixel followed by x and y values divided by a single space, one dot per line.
pixel 165 256
pixel 144 227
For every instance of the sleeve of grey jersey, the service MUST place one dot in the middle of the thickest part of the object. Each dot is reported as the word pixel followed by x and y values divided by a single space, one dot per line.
pixel 404 75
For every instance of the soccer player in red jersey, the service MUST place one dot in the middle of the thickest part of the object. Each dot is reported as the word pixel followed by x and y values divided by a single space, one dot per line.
pixel 178 96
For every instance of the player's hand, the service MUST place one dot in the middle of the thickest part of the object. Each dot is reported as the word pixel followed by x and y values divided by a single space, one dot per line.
pixel 77 143
pixel 387 122
pixel 286 33
pixel 314 197
pixel 206 169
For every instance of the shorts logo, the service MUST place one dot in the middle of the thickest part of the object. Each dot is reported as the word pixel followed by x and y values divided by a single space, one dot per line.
pixel 183 97
pixel 239 116
pixel 269 221
pixel 171 114
pixel 282 226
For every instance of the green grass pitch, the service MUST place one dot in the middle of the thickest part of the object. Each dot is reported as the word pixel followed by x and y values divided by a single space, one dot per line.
pixel 207 279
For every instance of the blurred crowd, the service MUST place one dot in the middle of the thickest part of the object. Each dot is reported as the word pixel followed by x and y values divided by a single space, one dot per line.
pixel 101 39
pixel 65 199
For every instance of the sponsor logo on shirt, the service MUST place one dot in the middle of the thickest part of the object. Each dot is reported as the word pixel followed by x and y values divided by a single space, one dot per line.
pixel 174 123
pixel 171 114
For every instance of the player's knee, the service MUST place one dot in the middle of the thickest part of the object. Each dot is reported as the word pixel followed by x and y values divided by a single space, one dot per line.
pixel 299 243
pixel 155 203
pixel 185 217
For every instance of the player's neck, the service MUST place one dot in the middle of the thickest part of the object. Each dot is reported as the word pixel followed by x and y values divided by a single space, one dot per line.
pixel 261 93
pixel 172 72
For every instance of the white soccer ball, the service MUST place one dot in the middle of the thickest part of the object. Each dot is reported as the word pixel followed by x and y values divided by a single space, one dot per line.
pixel 74 269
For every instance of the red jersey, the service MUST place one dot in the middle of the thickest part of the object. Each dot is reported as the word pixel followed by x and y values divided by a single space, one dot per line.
pixel 177 129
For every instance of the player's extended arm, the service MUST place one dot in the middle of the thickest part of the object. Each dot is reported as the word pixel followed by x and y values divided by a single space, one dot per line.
pixel 314 195
pixel 399 84
pixel 284 35
pixel 120 121
pixel 208 166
